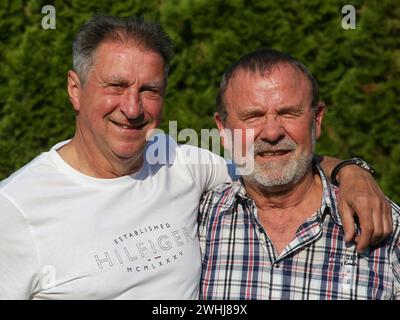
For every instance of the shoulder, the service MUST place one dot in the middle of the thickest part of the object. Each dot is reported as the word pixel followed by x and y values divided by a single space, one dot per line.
pixel 19 178
pixel 219 199
pixel 223 191
pixel 218 206
pixel 163 148
pixel 31 176
pixel 196 155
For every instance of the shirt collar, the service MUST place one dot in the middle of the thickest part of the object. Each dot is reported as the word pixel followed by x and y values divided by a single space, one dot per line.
pixel 329 196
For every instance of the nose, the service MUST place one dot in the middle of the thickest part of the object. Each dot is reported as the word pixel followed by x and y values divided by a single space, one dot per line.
pixel 131 103
pixel 271 129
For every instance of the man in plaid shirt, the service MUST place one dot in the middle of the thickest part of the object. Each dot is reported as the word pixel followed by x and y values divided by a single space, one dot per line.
pixel 276 233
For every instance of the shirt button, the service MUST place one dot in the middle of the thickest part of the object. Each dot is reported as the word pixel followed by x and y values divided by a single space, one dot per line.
pixel 277 265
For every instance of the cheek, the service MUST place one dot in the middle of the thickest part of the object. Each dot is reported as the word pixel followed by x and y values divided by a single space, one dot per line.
pixel 302 136
pixel 97 99
pixel 248 135
pixel 155 110
pixel 243 138
pixel 107 104
pixel 102 107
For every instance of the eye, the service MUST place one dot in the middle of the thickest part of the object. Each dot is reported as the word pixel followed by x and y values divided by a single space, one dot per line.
pixel 290 114
pixel 114 88
pixel 151 92
pixel 251 118
pixel 117 85
pixel 250 115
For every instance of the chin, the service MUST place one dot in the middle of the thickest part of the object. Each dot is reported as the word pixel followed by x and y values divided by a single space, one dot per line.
pixel 127 151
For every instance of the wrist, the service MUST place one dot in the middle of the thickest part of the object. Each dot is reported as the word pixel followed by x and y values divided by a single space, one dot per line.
pixel 347 166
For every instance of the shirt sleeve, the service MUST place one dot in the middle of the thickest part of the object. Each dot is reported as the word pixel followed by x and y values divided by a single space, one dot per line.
pixel 18 258
pixel 208 169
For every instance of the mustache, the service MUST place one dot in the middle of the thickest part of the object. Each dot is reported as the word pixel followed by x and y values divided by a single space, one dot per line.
pixel 284 144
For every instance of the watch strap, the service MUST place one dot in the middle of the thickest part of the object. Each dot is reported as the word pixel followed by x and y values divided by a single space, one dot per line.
pixel 357 161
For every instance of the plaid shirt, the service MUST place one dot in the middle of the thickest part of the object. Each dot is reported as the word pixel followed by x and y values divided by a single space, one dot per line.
pixel 240 262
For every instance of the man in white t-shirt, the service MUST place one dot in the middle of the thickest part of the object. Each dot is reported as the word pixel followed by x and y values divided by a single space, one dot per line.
pixel 94 218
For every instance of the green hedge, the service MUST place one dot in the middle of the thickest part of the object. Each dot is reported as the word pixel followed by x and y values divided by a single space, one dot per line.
pixel 358 70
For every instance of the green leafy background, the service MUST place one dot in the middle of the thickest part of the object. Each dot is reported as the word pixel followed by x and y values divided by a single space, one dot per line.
pixel 358 70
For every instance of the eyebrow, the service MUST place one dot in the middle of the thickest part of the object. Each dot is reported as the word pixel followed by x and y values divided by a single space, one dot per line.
pixel 257 110
pixel 297 107
pixel 114 80
pixel 253 111
pixel 153 85
pixel 123 81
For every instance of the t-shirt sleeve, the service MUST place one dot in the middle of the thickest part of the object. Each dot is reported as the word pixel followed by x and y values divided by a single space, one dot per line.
pixel 208 169
pixel 18 257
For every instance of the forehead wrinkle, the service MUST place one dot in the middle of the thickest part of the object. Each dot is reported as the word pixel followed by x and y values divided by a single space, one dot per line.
pixel 281 76
pixel 297 75
pixel 284 76
pixel 129 44
pixel 123 77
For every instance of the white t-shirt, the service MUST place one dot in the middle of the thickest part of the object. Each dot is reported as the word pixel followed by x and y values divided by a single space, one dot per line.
pixel 65 235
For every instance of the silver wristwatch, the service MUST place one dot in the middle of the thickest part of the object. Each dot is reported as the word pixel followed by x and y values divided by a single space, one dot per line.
pixel 357 161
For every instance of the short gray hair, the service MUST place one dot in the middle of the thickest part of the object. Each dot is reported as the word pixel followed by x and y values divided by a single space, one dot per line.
pixel 103 28
pixel 262 60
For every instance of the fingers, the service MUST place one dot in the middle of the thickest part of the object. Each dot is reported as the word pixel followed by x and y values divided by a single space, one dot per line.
pixel 347 216
pixel 370 221
pixel 375 223
pixel 387 220
pixel 382 221
pixel 367 230
pixel 360 195
pixel 378 217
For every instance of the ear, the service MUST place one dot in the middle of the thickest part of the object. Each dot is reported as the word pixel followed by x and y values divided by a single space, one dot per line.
pixel 319 115
pixel 221 127
pixel 74 89
pixel 219 122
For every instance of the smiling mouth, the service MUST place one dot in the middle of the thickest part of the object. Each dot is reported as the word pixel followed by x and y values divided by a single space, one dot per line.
pixel 276 153
pixel 137 126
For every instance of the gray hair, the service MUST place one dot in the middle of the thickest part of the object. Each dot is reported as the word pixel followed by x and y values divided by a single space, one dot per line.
pixel 102 28
pixel 262 60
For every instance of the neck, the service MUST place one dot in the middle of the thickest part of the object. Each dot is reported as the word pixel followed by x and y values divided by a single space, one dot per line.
pixel 287 196
pixel 282 210
pixel 87 159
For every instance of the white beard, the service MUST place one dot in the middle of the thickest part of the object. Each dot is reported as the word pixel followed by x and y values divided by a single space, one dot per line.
pixel 281 172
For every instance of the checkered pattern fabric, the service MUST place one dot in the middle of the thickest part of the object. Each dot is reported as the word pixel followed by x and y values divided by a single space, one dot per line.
pixel 240 262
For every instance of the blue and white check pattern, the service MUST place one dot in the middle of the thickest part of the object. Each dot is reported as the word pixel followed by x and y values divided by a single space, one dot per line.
pixel 240 262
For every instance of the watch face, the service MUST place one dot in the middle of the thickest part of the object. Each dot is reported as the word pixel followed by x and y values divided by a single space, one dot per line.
pixel 360 162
